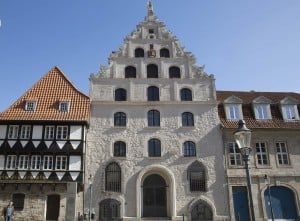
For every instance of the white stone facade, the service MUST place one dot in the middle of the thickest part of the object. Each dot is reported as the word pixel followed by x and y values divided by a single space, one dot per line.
pixel 172 166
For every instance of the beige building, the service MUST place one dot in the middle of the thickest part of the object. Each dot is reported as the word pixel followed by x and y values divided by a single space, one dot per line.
pixel 273 118
pixel 154 146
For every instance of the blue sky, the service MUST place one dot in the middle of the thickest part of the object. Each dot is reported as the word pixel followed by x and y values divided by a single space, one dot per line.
pixel 247 45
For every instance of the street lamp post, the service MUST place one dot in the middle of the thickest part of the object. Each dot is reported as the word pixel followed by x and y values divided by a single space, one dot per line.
pixel 90 200
pixel 242 137
pixel 267 181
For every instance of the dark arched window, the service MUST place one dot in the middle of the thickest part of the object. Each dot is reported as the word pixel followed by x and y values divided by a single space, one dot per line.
pixel 164 53
pixel 120 119
pixel 174 72
pixel 189 149
pixel 109 210
pixel 201 211
pixel 154 148
pixel 186 94
pixel 120 94
pixel 187 119
pixel 139 53
pixel 153 93
pixel 153 118
pixel 130 72
pixel 119 149
pixel 196 176
pixel 113 177
pixel 152 71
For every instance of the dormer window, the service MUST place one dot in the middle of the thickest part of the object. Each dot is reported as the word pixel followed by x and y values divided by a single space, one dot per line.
pixel 64 106
pixel 233 108
pixel 261 107
pixel 289 109
pixel 30 105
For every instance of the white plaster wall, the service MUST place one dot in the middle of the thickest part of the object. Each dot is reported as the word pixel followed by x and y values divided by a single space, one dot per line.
pixel 206 134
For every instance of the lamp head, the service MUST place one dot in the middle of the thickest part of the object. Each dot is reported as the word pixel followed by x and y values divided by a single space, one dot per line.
pixel 242 135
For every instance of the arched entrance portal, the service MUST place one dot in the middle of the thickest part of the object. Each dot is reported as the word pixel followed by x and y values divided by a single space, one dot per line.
pixel 283 203
pixel 154 196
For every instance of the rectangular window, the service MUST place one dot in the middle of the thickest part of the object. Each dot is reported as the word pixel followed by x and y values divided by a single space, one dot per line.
pixel 11 162
pixel 234 113
pixel 49 132
pixel 61 163
pixel 35 162
pixel 23 162
pixel 261 153
pixel 290 112
pixel 30 105
pixel 25 132
pixel 64 106
pixel 62 132
pixel 235 157
pixel 48 162
pixel 13 132
pixel 262 112
pixel 282 153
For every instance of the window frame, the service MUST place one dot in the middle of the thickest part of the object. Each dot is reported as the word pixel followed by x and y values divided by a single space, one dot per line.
pixel 25 132
pixel 130 72
pixel 290 112
pixel 23 162
pixel 13 132
pixel 49 132
pixel 153 93
pixel 187 119
pixel 47 162
pixel 154 147
pixel 234 155
pixel 64 106
pixel 164 53
pixel 119 149
pixel 153 117
pixel 35 162
pixel 11 162
pixel 152 71
pixel 189 149
pixel 61 162
pixel 186 94
pixel 120 119
pixel 261 151
pixel 139 53
pixel 174 72
pixel 283 154
pixel 120 94
pixel 30 106
pixel 62 132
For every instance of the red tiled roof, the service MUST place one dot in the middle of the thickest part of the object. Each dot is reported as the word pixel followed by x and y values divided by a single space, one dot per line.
pixel 248 114
pixel 51 89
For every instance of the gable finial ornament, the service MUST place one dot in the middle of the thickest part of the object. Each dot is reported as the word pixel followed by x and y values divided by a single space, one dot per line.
pixel 150 8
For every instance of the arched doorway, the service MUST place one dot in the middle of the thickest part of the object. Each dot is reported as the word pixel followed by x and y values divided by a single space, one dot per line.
pixel 154 196
pixel 53 205
pixel 201 211
pixel 109 210
pixel 283 203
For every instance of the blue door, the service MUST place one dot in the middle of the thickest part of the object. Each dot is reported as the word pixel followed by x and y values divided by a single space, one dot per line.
pixel 240 203
pixel 283 203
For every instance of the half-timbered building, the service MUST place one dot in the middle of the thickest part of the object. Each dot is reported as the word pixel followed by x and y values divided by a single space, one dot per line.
pixel 42 144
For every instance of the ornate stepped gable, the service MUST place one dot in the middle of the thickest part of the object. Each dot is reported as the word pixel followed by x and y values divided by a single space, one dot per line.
pixel 159 35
